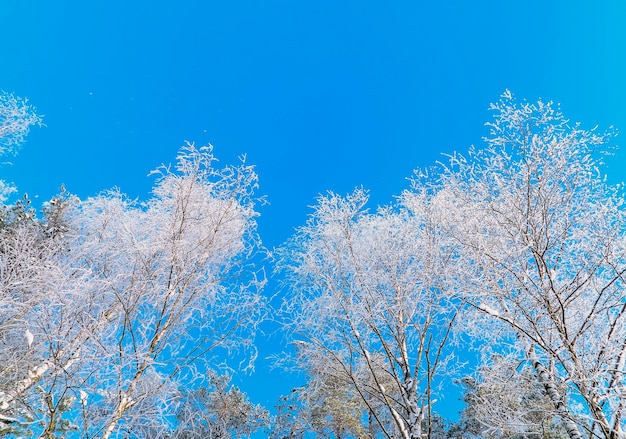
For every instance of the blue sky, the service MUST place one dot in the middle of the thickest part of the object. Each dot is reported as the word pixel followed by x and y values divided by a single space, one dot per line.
pixel 321 95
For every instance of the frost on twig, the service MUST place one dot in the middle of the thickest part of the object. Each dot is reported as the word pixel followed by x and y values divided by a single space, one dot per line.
pixel 16 119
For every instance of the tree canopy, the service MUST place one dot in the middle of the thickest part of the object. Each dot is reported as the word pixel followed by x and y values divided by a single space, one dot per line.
pixel 126 318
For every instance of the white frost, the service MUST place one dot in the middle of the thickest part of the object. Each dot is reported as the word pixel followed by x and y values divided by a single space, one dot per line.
pixel 488 310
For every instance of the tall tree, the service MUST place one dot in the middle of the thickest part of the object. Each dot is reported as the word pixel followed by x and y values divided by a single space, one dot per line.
pixel 367 299
pixel 543 258
pixel 25 266
pixel 140 300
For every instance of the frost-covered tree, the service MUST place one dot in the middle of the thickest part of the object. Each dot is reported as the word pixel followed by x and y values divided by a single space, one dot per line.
pixel 16 119
pixel 130 301
pixel 25 267
pixel 289 422
pixel 542 258
pixel 526 233
pixel 218 411
pixel 327 406
pixel 175 285
pixel 505 399
pixel 24 272
pixel 367 302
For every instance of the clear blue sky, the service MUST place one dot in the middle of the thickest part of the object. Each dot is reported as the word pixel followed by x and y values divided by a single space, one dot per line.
pixel 321 95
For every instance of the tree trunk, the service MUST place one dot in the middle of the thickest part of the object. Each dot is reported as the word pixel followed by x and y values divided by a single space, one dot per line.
pixel 548 383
